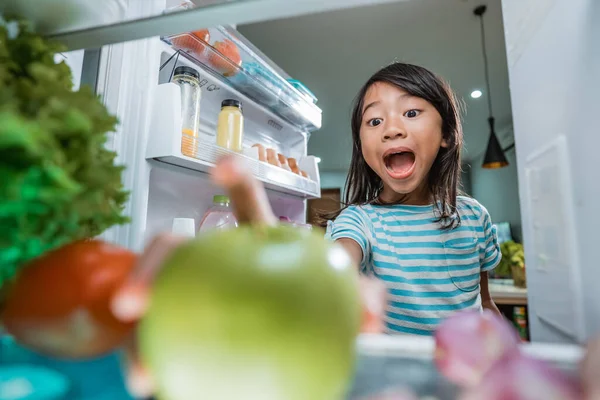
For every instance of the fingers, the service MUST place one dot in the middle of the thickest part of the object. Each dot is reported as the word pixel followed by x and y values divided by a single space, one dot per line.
pixel 250 204
pixel 590 371
pixel 130 302
pixel 137 379
pixel 247 195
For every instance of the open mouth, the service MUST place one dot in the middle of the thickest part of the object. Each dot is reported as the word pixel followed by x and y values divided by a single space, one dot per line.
pixel 400 164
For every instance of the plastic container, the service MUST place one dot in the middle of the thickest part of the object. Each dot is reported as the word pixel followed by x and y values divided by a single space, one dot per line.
pixel 241 65
pixel 259 83
pixel 303 90
pixel 219 216
pixel 230 126
pixel 188 79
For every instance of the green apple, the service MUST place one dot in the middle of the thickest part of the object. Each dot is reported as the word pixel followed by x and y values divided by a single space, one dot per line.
pixel 254 313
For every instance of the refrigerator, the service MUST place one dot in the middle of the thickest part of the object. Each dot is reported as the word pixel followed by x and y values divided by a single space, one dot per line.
pixel 131 64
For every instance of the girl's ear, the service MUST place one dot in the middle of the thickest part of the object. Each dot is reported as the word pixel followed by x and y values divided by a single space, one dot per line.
pixel 444 144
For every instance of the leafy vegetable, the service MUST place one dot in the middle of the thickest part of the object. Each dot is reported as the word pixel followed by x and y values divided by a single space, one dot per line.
pixel 58 182
pixel 512 254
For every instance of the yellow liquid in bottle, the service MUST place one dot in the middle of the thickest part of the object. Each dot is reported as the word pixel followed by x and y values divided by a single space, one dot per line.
pixel 230 128
pixel 189 143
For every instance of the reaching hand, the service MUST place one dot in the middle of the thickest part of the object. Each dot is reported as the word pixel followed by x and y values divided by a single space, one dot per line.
pixel 251 206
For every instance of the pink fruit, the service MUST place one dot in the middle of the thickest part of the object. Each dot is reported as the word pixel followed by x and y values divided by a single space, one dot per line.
pixel 468 343
pixel 520 377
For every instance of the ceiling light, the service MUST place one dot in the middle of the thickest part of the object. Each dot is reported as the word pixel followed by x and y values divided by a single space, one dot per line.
pixel 476 94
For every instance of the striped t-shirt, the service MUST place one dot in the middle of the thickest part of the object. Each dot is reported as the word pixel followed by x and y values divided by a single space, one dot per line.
pixel 429 272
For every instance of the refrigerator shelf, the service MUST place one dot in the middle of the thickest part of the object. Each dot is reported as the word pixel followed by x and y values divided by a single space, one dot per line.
pixel 235 61
pixel 206 154
pixel 168 144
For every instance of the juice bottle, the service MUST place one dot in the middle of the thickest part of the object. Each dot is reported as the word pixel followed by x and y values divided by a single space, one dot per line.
pixel 219 216
pixel 230 126
pixel 188 79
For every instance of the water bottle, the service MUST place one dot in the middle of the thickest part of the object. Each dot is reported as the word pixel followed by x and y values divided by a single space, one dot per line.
pixel 219 216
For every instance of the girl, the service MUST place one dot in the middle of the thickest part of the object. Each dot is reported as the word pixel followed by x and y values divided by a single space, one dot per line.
pixel 405 223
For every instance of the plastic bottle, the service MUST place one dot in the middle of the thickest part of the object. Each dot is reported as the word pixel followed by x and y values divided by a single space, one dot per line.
pixel 218 216
pixel 230 126
pixel 188 80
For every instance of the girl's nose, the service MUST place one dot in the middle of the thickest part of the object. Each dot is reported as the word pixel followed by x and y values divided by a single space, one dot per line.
pixel 394 132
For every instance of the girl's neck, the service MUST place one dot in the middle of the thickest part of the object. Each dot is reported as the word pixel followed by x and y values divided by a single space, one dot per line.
pixel 419 197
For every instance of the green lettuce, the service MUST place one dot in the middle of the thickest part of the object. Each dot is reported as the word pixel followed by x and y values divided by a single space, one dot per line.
pixel 58 182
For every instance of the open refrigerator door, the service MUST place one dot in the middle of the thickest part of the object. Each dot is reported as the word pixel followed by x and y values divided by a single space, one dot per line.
pixel 167 167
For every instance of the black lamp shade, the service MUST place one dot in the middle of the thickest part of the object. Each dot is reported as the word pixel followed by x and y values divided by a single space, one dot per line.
pixel 494 155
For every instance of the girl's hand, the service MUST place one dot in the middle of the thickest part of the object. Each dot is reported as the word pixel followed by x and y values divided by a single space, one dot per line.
pixel 251 206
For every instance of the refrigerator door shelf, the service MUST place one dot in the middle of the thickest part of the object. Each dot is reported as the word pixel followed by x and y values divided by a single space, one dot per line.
pixel 166 142
pixel 236 62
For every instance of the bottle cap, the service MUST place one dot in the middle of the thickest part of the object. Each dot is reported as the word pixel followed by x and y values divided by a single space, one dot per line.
pixel 221 199
pixel 231 103
pixel 187 71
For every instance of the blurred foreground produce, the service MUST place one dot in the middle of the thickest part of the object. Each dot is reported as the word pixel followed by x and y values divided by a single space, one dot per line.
pixel 470 342
pixel 480 352
pixel 59 303
pixel 58 182
pixel 265 313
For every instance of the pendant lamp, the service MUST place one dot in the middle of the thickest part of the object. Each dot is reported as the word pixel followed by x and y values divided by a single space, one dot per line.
pixel 494 155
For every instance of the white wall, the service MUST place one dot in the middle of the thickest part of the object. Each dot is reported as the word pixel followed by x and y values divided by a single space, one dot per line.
pixel 555 86
pixel 498 191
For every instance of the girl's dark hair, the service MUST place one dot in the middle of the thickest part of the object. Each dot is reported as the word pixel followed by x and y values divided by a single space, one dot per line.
pixel 363 186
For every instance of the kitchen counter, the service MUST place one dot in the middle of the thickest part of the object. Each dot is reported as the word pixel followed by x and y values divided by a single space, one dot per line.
pixel 507 294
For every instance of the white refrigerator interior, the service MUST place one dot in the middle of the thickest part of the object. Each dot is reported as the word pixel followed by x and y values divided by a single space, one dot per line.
pixel 168 184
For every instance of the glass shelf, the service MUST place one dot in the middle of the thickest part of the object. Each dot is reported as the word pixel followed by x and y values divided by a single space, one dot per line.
pixel 226 54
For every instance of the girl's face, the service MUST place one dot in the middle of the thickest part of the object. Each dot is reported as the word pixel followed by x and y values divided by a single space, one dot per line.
pixel 401 136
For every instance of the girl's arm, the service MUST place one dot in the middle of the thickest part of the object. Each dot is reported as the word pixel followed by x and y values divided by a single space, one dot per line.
pixel 486 297
pixel 353 249
pixel 372 291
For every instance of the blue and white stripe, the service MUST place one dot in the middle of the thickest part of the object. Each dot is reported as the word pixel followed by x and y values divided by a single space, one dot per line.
pixel 430 273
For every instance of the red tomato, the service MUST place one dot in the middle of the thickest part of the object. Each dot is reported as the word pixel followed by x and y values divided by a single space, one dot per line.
pixel 59 304
pixel 189 44
pixel 228 61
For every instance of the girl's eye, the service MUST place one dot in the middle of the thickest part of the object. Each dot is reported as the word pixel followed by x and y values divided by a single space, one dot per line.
pixel 412 113
pixel 375 122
